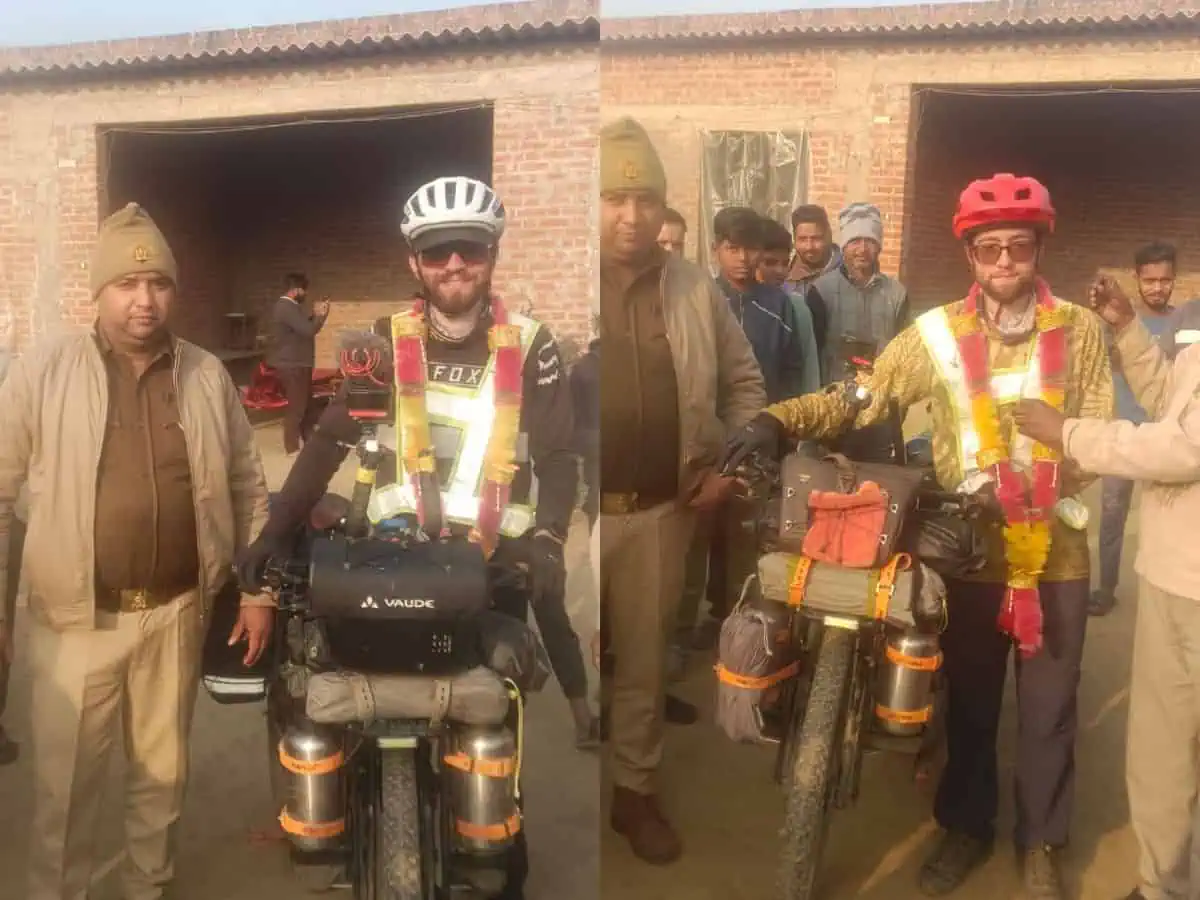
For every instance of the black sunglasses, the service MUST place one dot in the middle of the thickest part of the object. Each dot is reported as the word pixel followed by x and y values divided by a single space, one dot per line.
pixel 469 252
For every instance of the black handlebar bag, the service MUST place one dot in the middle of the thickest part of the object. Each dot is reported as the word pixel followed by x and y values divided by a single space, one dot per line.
pixel 398 607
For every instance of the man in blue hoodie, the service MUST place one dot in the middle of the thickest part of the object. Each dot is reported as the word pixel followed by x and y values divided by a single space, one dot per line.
pixel 765 311
pixel 784 348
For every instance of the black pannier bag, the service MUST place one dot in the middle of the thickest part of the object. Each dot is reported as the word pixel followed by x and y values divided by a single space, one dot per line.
pixel 225 677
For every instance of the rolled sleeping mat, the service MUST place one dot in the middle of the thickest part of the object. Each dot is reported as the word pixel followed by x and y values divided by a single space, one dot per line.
pixel 892 593
pixel 476 697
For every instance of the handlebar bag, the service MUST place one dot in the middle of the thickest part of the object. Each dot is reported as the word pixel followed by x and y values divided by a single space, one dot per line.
pixel 376 579
pixel 802 475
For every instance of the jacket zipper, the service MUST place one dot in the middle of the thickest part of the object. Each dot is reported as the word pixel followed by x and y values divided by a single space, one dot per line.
pixel 105 403
pixel 679 379
pixel 195 505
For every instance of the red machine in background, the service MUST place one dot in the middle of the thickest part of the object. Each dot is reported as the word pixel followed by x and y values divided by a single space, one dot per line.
pixel 265 391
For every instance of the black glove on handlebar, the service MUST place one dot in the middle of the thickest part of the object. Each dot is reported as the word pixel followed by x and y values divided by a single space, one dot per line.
pixel 251 564
pixel 763 435
pixel 547 570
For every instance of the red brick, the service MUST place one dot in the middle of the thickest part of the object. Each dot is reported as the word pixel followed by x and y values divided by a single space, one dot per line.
pixel 1117 183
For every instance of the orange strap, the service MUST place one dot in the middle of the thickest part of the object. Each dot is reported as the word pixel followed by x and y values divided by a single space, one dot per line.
pixel 904 716
pixel 491 768
pixel 311 830
pixel 887 583
pixel 497 832
pixel 750 683
pixel 916 663
pixel 311 767
pixel 799 581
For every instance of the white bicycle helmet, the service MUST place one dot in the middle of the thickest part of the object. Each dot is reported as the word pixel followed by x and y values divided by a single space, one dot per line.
pixel 452 209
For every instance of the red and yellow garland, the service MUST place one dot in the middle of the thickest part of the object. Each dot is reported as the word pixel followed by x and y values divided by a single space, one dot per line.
pixel 1028 508
pixel 412 415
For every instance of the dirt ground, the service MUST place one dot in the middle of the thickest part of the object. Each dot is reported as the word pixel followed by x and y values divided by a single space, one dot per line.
pixel 222 856
pixel 728 810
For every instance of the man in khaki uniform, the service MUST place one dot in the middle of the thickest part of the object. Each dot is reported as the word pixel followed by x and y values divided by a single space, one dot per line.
pixel 1162 775
pixel 677 376
pixel 143 482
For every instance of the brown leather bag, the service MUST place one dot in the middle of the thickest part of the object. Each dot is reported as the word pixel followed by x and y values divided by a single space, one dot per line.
pixel 801 475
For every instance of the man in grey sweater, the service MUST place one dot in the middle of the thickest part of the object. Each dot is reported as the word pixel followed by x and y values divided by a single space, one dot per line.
pixel 294 330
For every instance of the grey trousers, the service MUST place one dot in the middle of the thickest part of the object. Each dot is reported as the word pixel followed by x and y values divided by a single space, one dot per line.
pixel 1164 729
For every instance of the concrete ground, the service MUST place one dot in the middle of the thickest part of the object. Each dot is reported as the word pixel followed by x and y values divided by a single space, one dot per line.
pixel 222 855
pixel 724 803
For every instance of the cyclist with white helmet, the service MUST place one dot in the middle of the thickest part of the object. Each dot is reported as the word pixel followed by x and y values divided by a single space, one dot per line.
pixel 469 335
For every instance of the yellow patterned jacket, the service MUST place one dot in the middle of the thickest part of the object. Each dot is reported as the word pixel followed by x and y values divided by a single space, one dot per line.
pixel 906 373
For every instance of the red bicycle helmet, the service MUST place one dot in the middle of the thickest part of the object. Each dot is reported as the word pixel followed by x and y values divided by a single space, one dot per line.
pixel 1003 200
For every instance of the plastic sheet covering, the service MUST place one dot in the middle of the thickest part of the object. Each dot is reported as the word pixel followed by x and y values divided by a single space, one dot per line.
pixel 476 697
pixel 755 653
pixel 847 592
pixel 765 170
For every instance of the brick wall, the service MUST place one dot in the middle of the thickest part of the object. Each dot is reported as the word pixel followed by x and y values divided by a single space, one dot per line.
pixel 243 209
pixel 53 174
pixel 1119 167
pixel 858 103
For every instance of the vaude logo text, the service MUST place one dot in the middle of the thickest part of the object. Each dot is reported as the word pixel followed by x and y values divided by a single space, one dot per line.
pixel 398 603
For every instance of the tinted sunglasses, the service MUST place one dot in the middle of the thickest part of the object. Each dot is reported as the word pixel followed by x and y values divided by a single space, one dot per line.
pixel 1018 251
pixel 468 251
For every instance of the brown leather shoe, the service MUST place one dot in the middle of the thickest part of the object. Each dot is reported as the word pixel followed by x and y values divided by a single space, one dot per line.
pixel 650 835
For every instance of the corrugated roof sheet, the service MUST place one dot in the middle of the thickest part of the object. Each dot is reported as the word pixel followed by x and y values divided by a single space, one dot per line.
pixel 501 23
pixel 925 20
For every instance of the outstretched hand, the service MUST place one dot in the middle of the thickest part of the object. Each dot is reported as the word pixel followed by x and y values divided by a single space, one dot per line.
pixel 1110 302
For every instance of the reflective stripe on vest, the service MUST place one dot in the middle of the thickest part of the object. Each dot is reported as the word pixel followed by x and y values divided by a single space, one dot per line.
pixel 460 424
pixel 1008 386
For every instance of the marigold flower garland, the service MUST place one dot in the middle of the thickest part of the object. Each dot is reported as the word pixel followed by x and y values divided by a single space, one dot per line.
pixel 409 332
pixel 1028 508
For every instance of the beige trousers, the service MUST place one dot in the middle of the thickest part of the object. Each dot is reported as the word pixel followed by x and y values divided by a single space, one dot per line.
pixel 641 580
pixel 1164 730
pixel 133 679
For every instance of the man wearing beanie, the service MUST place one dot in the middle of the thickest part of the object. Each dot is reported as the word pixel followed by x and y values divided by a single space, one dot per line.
pixel 677 374
pixel 143 481
pixel 865 309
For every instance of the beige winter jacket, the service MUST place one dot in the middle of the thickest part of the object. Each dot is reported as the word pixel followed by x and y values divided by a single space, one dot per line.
pixel 720 384
pixel 1163 454
pixel 53 409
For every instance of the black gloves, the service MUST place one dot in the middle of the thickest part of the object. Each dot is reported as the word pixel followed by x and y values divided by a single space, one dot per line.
pixel 547 570
pixel 762 435
pixel 251 563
